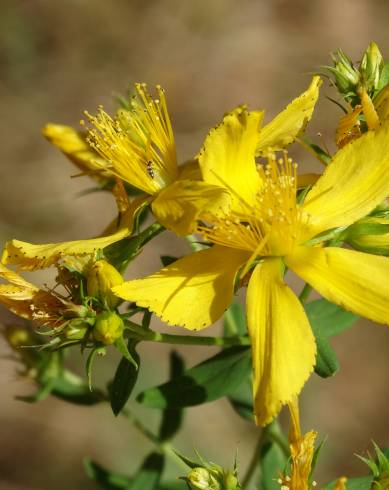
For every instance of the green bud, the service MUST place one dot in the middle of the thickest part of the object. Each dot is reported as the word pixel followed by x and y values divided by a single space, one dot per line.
pixel 371 67
pixel 346 76
pixel 19 336
pixel 76 329
pixel 383 481
pixel 22 339
pixel 231 481
pixel 203 479
pixel 369 235
pixel 108 327
pixel 101 278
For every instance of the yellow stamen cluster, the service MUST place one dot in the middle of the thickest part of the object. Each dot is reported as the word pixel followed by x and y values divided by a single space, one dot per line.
pixel 138 144
pixel 270 226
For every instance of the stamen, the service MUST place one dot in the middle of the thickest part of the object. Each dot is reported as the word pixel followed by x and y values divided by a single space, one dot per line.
pixel 138 144
pixel 271 226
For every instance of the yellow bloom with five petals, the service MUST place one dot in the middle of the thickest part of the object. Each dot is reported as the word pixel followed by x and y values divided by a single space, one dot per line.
pixel 268 229
pixel 138 147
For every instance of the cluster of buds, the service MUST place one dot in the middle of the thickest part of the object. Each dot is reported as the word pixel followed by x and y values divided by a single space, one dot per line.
pixel 96 319
pixel 379 467
pixel 210 476
pixel 350 79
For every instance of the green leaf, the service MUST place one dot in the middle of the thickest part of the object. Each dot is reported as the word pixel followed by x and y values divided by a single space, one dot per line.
pixel 119 254
pixel 272 464
pixel 124 380
pixel 242 399
pixel 105 478
pixel 73 389
pixel 361 483
pixel 167 260
pixel 384 77
pixel 172 417
pixel 89 362
pixel 327 363
pixel 122 348
pixel 321 154
pixel 235 321
pixel 149 474
pixel 203 383
pixel 328 319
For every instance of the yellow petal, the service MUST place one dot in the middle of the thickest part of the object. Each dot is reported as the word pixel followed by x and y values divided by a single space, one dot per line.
pixel 353 184
pixel 348 127
pixel 25 299
pixel 193 292
pixel 282 342
pixel 307 180
pixel 73 144
pixel 356 281
pixel 381 103
pixel 30 256
pixel 227 158
pixel 182 203
pixel 289 123
pixel 369 111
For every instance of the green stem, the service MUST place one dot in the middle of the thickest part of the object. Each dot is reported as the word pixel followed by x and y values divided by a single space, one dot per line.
pixel 271 432
pixel 254 460
pixel 304 295
pixel 149 335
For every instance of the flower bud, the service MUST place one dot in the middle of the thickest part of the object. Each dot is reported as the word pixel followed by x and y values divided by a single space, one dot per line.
pixel 371 67
pixel 101 278
pixel 231 481
pixel 108 327
pixel 19 336
pixel 369 235
pixel 203 479
pixel 346 76
pixel 21 339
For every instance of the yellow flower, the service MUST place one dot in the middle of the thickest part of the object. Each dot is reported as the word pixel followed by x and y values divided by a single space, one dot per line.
pixel 30 256
pixel 302 450
pixel 267 228
pixel 28 301
pixel 138 147
pixel 183 199
pixel 74 145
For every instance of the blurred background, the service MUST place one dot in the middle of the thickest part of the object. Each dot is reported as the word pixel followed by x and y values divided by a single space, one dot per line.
pixel 60 58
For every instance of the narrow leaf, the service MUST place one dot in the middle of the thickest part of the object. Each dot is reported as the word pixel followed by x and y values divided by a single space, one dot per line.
pixel 122 348
pixel 235 321
pixel 172 417
pixel 242 399
pixel 89 363
pixel 124 380
pixel 149 474
pixel 105 478
pixel 329 319
pixel 216 377
pixel 74 390
pixel 272 464
pixel 361 483
pixel 327 364
pixel 167 260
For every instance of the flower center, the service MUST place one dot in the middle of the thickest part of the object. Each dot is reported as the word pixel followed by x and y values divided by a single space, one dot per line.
pixel 138 144
pixel 271 226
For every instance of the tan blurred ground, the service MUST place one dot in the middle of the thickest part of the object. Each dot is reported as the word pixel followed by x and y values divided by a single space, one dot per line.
pixel 59 58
